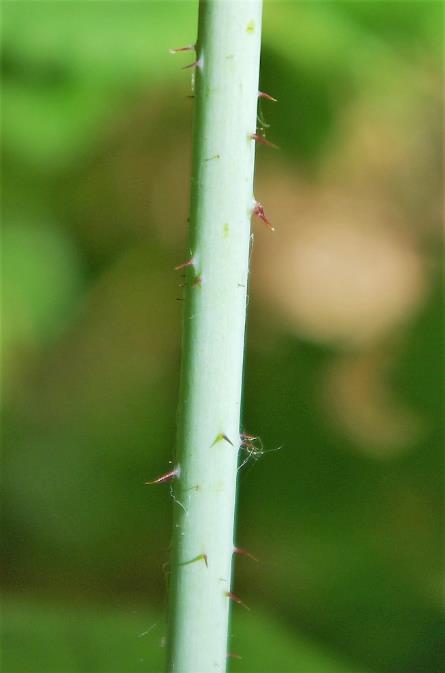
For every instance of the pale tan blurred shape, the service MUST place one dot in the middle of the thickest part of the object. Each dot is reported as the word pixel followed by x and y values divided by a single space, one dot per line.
pixel 336 271
pixel 358 399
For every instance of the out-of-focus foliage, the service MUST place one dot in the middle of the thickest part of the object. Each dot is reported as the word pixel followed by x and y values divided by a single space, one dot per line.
pixel 41 638
pixel 342 377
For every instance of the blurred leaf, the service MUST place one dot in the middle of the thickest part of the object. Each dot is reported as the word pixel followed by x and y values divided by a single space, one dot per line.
pixel 69 66
pixel 318 55
pixel 116 42
pixel 41 278
pixel 62 125
pixel 346 535
pixel 39 638
pixel 412 25
pixel 267 647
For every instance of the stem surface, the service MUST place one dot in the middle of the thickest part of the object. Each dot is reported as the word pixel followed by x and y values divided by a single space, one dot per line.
pixel 226 89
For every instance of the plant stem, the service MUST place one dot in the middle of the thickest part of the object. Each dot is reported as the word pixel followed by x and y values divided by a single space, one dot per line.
pixel 227 71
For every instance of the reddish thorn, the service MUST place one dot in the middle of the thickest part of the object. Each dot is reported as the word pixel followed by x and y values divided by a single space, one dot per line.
pixel 233 655
pixel 262 94
pixel 168 476
pixel 189 262
pixel 195 64
pixel 197 282
pixel 263 141
pixel 258 210
pixel 244 552
pixel 177 50
pixel 236 599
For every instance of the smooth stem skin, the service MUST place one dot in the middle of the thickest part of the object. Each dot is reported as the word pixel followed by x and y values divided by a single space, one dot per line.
pixel 226 88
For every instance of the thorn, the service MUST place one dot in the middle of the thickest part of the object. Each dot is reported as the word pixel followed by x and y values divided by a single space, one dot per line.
pixel 258 210
pixel 200 557
pixel 221 436
pixel 188 47
pixel 262 94
pixel 263 141
pixel 244 552
pixel 233 655
pixel 197 282
pixel 236 599
pixel 184 265
pixel 195 64
pixel 168 476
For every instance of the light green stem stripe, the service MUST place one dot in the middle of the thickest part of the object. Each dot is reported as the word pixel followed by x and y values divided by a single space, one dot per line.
pixel 228 49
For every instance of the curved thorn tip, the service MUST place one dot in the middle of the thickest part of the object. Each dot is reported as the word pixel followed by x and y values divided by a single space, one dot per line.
pixel 184 265
pixel 168 476
pixel 263 141
pixel 195 64
pixel 178 50
pixel 267 96
pixel 236 599
pixel 222 436
pixel 244 552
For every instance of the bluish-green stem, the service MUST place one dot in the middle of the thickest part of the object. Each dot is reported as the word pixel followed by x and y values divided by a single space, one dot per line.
pixel 222 202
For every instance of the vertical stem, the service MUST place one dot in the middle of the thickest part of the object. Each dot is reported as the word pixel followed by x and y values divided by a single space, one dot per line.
pixel 228 53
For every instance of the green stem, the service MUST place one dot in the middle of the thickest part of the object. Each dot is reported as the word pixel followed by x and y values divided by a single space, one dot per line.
pixel 228 53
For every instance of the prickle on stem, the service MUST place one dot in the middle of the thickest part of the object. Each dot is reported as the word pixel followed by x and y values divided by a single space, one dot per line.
pixel 164 478
pixel 195 64
pixel 221 436
pixel 233 655
pixel 258 211
pixel 236 599
pixel 177 50
pixel 267 96
pixel 243 552
pixel 184 265
pixel 263 141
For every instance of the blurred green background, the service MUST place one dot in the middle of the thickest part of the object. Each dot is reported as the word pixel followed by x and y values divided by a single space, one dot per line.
pixel 343 348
